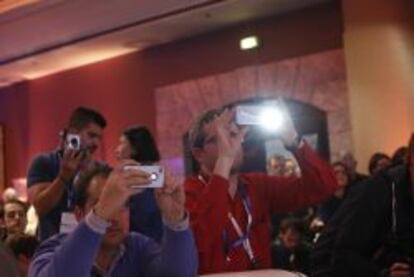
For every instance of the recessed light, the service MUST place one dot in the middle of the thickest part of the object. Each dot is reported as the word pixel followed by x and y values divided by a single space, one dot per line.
pixel 250 42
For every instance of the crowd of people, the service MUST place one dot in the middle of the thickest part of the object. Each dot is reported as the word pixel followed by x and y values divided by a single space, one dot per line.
pixel 319 219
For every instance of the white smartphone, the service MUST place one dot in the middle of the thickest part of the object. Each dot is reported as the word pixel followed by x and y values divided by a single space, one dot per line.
pixel 248 114
pixel 269 117
pixel 156 175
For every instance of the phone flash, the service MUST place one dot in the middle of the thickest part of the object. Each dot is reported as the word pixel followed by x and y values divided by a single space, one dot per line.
pixel 271 119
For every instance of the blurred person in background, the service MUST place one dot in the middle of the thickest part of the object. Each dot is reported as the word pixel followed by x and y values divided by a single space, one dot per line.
pixel 372 233
pixel 328 208
pixel 23 247
pixel 15 219
pixel 348 159
pixel 291 251
pixel 377 162
pixel 137 143
pixel 400 156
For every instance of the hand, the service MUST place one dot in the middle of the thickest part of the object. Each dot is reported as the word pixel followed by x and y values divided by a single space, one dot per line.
pixel 120 186
pixel 400 269
pixel 69 164
pixel 288 133
pixel 229 136
pixel 171 199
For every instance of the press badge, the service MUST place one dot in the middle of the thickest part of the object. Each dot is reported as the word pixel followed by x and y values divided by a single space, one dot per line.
pixel 68 223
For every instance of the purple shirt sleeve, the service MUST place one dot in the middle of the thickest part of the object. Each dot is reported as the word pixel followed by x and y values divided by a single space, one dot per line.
pixel 74 254
pixel 71 255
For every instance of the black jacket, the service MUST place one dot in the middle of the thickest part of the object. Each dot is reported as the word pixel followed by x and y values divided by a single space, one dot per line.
pixel 359 239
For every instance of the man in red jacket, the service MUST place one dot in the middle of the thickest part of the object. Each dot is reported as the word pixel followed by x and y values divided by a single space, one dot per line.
pixel 230 212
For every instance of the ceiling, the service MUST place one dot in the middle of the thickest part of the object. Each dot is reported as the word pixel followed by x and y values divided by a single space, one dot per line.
pixel 42 37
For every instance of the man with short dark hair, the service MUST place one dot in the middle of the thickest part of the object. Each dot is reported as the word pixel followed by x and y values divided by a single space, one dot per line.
pixel 51 174
pixel 230 211
pixel 101 244
pixel 15 219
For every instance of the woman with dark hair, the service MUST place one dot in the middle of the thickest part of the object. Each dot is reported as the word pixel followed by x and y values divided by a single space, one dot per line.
pixel 138 144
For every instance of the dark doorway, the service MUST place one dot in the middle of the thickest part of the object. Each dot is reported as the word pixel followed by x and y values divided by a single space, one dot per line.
pixel 310 122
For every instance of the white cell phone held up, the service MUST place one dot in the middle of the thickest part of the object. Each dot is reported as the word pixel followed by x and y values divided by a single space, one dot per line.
pixel 156 173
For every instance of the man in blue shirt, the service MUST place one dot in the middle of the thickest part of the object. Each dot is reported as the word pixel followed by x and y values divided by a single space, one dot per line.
pixel 101 244
pixel 51 175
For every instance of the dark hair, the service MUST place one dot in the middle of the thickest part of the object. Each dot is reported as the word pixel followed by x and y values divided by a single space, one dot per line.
pixel 196 135
pixel 22 244
pixel 144 148
pixel 375 159
pixel 84 180
pixel 82 116
pixel 292 223
pixel 410 150
pixel 400 156
pixel 18 202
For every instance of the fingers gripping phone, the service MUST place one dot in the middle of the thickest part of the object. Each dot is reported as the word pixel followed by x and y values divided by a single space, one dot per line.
pixel 156 173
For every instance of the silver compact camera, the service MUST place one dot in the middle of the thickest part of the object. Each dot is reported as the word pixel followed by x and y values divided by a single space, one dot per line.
pixel 156 173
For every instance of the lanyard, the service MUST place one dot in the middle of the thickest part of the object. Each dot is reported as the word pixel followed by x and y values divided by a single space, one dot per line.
pixel 243 237
pixel 70 191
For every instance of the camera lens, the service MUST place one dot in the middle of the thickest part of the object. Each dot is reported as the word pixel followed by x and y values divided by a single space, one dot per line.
pixel 74 142
pixel 154 176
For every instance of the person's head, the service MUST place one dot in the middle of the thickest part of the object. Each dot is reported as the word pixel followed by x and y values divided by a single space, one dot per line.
pixel 290 168
pixel 378 162
pixel 9 194
pixel 138 144
pixel 15 219
pixel 203 141
pixel 348 159
pixel 400 156
pixel 23 247
pixel 276 165
pixel 291 231
pixel 88 190
pixel 341 174
pixel 88 124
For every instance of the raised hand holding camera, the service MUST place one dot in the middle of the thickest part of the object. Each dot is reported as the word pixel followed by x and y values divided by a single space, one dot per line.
pixel 274 117
pixel 120 185
pixel 69 165
pixel 171 199
pixel 229 142
pixel 229 136
pixel 288 133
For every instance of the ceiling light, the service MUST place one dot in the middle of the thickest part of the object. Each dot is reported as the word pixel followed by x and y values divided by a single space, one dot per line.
pixel 249 43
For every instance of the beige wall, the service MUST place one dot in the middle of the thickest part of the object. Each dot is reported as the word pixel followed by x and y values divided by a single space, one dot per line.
pixel 379 51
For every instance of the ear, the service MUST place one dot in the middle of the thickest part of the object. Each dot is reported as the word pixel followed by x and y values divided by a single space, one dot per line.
pixel 79 213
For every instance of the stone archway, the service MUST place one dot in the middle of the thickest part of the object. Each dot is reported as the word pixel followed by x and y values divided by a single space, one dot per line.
pixel 318 79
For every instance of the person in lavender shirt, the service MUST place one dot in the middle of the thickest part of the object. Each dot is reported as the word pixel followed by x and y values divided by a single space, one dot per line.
pixel 101 245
